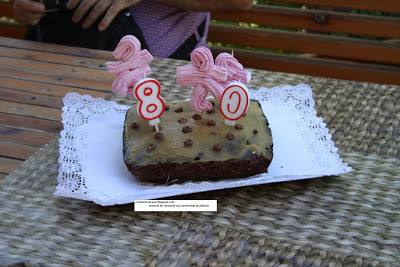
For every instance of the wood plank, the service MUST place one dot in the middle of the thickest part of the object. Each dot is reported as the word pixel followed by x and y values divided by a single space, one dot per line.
pixel 31 124
pixel 390 6
pixel 30 110
pixel 8 165
pixel 55 78
pixel 48 89
pixel 338 69
pixel 75 71
pixel 349 48
pixel 315 20
pixel 39 56
pixel 56 49
pixel 3 175
pixel 24 137
pixel 30 98
pixel 16 151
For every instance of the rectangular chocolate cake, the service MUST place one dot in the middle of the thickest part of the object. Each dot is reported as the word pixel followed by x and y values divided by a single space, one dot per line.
pixel 190 148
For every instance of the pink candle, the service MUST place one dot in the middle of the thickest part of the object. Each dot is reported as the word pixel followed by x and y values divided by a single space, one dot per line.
pixel 234 102
pixel 151 106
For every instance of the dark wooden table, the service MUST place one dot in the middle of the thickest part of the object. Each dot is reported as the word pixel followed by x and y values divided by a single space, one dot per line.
pixel 34 78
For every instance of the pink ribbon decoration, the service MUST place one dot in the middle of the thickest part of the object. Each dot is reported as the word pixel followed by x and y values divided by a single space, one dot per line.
pixel 234 68
pixel 204 76
pixel 132 66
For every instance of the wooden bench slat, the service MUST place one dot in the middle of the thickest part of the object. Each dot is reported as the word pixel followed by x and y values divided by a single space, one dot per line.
pixel 30 98
pixel 60 59
pixel 47 89
pixel 338 69
pixel 30 110
pixel 348 48
pixel 57 49
pixel 24 137
pixel 390 6
pixel 56 78
pixel 336 22
pixel 76 71
pixel 31 124
pixel 16 151
pixel 8 165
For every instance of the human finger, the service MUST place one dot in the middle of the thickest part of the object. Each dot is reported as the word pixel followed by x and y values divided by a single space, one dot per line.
pixel 96 12
pixel 28 12
pixel 83 9
pixel 112 11
pixel 72 4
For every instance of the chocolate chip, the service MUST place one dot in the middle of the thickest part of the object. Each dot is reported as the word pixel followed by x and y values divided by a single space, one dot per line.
pixel 152 146
pixel 248 142
pixel 159 135
pixel 212 103
pixel 182 120
pixel 230 136
pixel 159 128
pixel 166 107
pixel 135 125
pixel 211 123
pixel 212 110
pixel 213 133
pixel 239 127
pixel 188 142
pixel 187 129
pixel 255 131
pixel 196 117
pixel 178 110
pixel 199 156
pixel 217 147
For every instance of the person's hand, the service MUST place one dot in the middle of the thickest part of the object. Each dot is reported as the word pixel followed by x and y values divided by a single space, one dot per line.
pixel 28 12
pixel 95 8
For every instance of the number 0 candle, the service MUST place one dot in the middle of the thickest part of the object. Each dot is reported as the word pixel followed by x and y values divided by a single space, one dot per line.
pixel 151 106
pixel 234 102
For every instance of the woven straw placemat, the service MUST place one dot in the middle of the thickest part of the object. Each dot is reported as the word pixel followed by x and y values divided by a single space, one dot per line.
pixel 352 219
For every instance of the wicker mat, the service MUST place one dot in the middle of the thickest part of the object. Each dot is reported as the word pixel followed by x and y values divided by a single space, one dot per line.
pixel 352 219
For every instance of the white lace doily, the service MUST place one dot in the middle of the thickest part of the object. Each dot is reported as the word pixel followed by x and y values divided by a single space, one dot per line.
pixel 92 167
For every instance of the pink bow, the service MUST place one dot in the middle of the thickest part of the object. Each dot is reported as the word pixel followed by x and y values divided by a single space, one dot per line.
pixel 234 68
pixel 204 76
pixel 132 66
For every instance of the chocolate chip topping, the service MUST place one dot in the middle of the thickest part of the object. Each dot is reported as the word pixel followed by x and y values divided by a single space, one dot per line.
pixel 211 123
pixel 248 142
pixel 196 117
pixel 239 127
pixel 135 125
pixel 188 142
pixel 217 147
pixel 255 131
pixel 230 136
pixel 212 110
pixel 159 128
pixel 212 103
pixel 187 129
pixel 159 135
pixel 178 110
pixel 152 146
pixel 166 107
pixel 182 120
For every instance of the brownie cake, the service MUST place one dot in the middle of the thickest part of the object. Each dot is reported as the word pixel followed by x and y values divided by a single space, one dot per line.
pixel 190 148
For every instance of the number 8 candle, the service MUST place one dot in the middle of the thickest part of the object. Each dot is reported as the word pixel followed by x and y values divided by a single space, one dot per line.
pixel 234 102
pixel 151 106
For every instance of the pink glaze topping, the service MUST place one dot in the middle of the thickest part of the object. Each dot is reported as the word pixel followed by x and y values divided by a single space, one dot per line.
pixel 204 76
pixel 234 68
pixel 132 67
